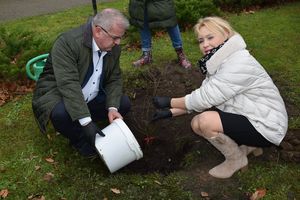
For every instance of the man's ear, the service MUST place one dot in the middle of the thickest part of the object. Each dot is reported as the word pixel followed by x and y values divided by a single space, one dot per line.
pixel 96 31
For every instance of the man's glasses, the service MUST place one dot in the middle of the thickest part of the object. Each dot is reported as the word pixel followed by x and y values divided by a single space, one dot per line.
pixel 110 35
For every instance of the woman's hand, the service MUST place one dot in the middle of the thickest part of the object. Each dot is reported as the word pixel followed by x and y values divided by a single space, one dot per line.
pixel 161 102
pixel 161 114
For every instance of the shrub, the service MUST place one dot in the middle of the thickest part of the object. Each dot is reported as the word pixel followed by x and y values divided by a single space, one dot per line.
pixel 189 11
pixel 17 47
pixel 239 5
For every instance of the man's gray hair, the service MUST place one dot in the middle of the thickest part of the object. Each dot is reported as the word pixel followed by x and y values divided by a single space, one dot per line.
pixel 109 17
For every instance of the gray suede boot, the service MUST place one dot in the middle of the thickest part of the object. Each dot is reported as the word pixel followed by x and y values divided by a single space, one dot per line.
pixel 257 151
pixel 235 159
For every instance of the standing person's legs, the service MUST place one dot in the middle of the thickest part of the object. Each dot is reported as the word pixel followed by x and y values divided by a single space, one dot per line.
pixel 146 40
pixel 146 37
pixel 175 36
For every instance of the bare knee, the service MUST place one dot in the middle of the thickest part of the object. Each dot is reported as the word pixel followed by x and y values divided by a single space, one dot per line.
pixel 195 124
pixel 199 124
pixel 207 124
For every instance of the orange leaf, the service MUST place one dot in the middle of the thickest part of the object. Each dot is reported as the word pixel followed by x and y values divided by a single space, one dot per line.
pixel 258 194
pixel 204 194
pixel 115 190
pixel 4 193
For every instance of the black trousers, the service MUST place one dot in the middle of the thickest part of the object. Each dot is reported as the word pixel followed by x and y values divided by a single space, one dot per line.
pixel 63 123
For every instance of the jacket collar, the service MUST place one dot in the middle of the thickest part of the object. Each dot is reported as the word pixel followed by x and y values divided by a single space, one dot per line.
pixel 88 34
pixel 235 43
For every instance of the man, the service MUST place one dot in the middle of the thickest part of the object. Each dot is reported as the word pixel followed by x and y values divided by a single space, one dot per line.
pixel 81 82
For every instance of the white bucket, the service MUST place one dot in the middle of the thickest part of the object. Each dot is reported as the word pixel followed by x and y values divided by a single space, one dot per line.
pixel 119 146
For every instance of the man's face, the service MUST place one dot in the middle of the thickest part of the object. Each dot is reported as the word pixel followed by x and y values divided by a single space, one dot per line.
pixel 107 39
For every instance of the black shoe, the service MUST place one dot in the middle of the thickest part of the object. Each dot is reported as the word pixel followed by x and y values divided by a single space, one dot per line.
pixel 85 149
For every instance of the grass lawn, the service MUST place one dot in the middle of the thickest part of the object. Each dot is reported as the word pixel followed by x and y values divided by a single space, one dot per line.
pixel 33 166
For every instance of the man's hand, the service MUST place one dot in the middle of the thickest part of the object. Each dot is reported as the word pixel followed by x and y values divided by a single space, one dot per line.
pixel 161 114
pixel 161 102
pixel 90 131
pixel 113 114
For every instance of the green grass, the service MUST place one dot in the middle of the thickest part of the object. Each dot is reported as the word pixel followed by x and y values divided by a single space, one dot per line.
pixel 280 180
pixel 21 40
pixel 23 148
pixel 272 36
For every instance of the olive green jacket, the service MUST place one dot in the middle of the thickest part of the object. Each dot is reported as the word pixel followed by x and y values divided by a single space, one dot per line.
pixel 64 74
pixel 161 13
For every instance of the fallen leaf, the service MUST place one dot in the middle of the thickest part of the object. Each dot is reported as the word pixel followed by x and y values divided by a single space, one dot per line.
pixel 37 167
pixel 49 160
pixel 48 176
pixel 2 169
pixel 36 197
pixel 204 194
pixel 115 190
pixel 4 193
pixel 159 183
pixel 258 194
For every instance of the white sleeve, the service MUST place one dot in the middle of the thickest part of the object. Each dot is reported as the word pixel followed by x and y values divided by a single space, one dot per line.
pixel 218 88
pixel 85 121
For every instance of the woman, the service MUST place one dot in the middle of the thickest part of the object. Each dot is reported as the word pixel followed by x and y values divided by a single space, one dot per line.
pixel 240 107
pixel 150 14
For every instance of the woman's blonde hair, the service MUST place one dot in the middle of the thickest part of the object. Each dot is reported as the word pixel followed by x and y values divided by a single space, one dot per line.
pixel 215 24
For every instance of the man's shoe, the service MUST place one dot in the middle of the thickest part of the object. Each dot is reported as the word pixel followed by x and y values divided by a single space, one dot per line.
pixel 85 149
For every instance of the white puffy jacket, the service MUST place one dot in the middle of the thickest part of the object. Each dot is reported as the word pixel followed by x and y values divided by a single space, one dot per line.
pixel 237 83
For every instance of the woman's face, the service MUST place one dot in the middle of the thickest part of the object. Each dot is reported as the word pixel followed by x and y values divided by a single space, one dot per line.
pixel 209 40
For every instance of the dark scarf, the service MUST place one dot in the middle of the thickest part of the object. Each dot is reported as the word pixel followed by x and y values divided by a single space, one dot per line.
pixel 202 62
